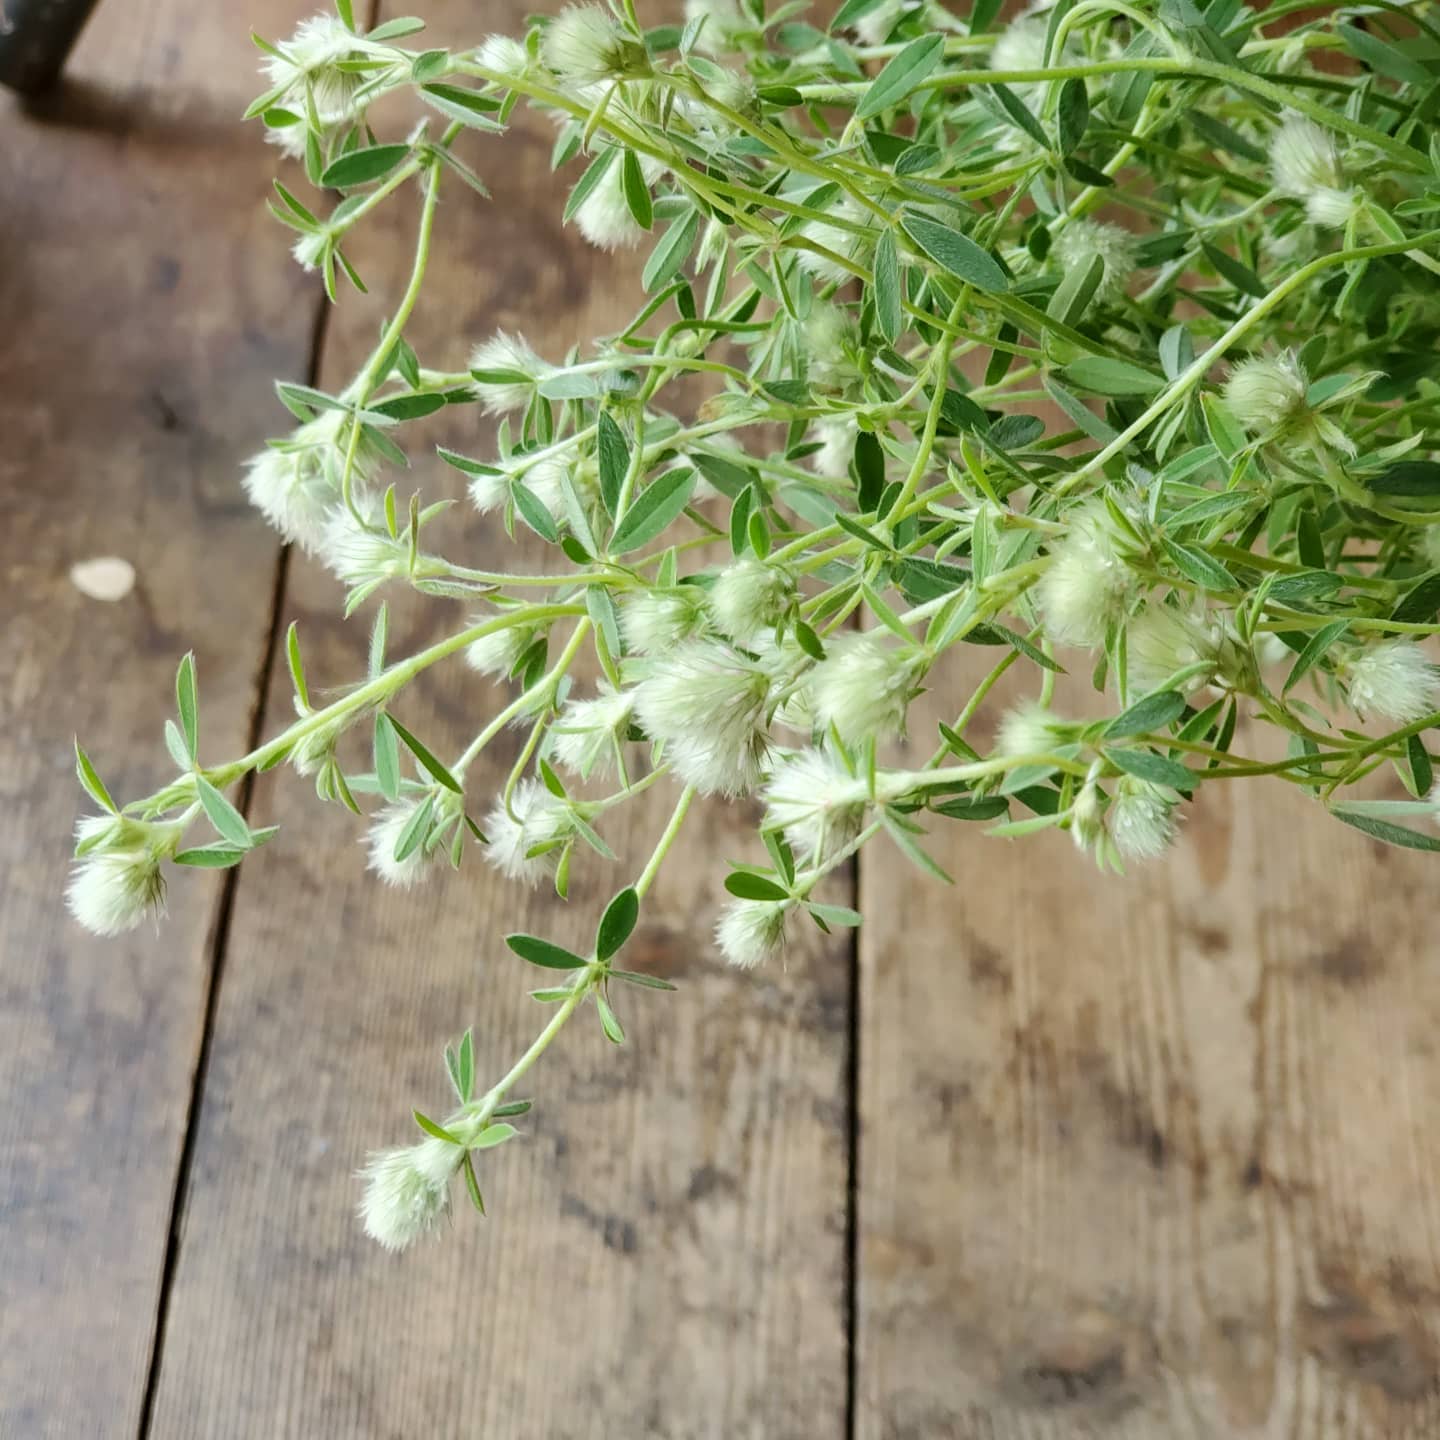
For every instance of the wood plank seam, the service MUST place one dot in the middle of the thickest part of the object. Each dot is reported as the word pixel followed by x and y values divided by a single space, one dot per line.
pixel 220 936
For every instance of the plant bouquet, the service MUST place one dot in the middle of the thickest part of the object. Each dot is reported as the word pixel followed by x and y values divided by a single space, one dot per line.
pixel 1202 239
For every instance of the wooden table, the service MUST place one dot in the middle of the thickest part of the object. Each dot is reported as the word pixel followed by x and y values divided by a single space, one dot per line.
pixel 1045 1156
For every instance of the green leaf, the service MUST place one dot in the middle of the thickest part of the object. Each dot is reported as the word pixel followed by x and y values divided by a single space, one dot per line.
pixel 1419 604
pixel 467 106
pixel 851 11
pixel 1019 112
pixel 1384 830
pixel 1386 59
pixel 543 953
pixel 841 915
pixel 187 702
pixel 954 252
pixel 1146 716
pixel 532 511
pixel 1314 651
pixel 1073 114
pixel 1241 276
pixel 617 923
pixel 745 885
pixel 513 1107
pixel 408 407
pixel 417 827
pixel 387 756
pixel 472 1184
pixel 91 781
pixel 1225 431
pixel 439 1132
pixel 1075 291
pixel 614 458
pixel 653 510
pixel 394 29
pixel 889 288
pixel 1203 512
pixel 360 167
pixel 671 253
pixel 1177 351
pixel 222 814
pixel 1157 769
pixel 637 193
pixel 609 1021
pixel 493 1135
pixel 1103 375
pixel 1418 478
pixel 903 73
pixel 648 982
pixel 595 172
pixel 426 758
pixel 219 856
pixel 1196 565
pixel 297 670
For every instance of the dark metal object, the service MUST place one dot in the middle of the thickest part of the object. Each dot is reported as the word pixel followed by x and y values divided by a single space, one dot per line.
pixel 36 36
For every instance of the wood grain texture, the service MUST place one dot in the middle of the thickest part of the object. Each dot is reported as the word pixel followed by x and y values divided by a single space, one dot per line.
pixel 665 1253
pixel 142 326
pixel 1150 1156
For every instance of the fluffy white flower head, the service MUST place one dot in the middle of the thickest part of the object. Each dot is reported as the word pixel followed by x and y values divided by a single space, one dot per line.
pixel 383 838
pixel 1081 240
pixel 657 619
pixel 724 24
pixel 295 484
pixel 584 44
pixel 749 596
pixel 407 1191
pixel 836 439
pixel 706 703
pixel 752 932
pixel 1088 584
pixel 308 69
pixel 539 819
pixel 503 54
pixel 513 370
pixel 587 731
pixel 1160 641
pixel 1267 392
pixel 117 882
pixel 1139 820
pixel 864 687
pixel 1305 165
pixel 839 239
pixel 604 214
pixel 1392 681
pixel 357 555
pixel 818 804
pixel 1028 729
pixel 498 653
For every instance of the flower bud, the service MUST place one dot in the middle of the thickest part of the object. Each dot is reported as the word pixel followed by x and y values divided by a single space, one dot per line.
pixel 1305 165
pixel 1391 680
pixel 655 620
pixel 589 732
pixel 864 687
pixel 582 43
pixel 116 881
pixel 706 704
pixel 407 1191
pixel 1080 241
pixel 752 932
pixel 509 372
pixel 750 596
pixel 527 837
pixel 1139 820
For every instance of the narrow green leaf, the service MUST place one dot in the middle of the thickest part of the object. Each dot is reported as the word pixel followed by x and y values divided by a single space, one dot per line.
pixel 91 781
pixel 1384 830
pixel 1314 652
pixel 652 510
pixel 1073 114
pixel 1104 375
pixel 493 1135
pixel 901 75
pixel 543 953
pixel 614 458
pixel 670 254
pixel 609 1021
pixel 387 756
pixel 1157 769
pixel 617 923
pixel 889 288
pixel 747 886
pixel 531 509
pixel 954 252
pixel 222 814
pixel 439 1132
pixel 426 758
pixel 187 702
pixel 637 193
pixel 1146 716
pixel 1196 565
pixel 360 167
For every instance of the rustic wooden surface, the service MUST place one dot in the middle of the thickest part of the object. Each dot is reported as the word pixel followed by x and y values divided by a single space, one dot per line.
pixel 1150 1156
pixel 142 323
pixel 1136 1159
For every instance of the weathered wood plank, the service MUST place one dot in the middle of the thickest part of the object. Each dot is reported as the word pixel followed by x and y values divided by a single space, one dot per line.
pixel 1151 1156
pixel 142 324
pixel 665 1253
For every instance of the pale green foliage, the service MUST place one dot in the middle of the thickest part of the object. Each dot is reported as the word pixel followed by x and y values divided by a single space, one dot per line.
pixel 1207 246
